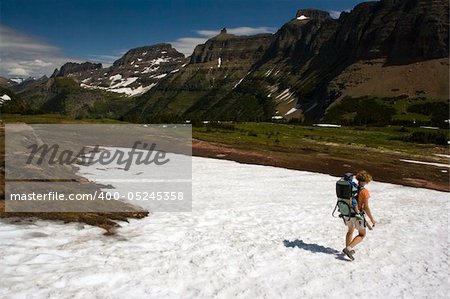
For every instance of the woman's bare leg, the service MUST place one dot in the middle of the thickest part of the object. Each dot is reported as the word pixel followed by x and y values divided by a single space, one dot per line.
pixel 358 239
pixel 349 236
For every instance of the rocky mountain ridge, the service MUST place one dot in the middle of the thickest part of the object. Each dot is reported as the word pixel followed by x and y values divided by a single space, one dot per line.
pixel 389 48
pixel 308 54
pixel 136 72
pixel 215 69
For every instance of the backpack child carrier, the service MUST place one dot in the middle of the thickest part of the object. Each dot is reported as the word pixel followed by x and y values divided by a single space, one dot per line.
pixel 346 192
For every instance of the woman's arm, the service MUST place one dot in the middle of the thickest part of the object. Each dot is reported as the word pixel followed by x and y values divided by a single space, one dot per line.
pixel 368 212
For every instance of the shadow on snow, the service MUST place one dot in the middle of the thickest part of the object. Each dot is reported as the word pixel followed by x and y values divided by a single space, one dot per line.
pixel 315 248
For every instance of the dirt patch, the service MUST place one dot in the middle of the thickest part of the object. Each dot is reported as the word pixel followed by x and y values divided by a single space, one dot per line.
pixel 107 221
pixel 383 166
pixel 425 184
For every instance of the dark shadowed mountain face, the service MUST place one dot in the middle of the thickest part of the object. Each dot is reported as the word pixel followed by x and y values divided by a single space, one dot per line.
pixel 402 31
pixel 314 60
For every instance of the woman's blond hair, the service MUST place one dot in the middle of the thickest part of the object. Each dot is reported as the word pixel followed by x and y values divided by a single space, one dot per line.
pixel 364 176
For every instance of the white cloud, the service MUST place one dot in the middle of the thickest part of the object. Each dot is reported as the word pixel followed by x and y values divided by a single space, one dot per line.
pixel 40 63
pixel 22 55
pixel 237 31
pixel 105 60
pixel 335 14
pixel 18 71
pixel 186 45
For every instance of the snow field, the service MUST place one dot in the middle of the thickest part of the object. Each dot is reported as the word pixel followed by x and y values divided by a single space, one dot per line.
pixel 254 231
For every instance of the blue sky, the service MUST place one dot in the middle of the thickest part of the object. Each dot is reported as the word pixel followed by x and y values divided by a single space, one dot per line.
pixel 39 35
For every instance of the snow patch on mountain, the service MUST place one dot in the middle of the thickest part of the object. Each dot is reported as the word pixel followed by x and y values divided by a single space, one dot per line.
pixel 4 98
pixel 160 76
pixel 160 60
pixel 302 17
pixel 283 95
pixel 426 163
pixel 239 82
pixel 291 111
pixel 115 77
pixel 121 89
pixel 267 74
pixel 17 80
pixel 125 82
pixel 150 69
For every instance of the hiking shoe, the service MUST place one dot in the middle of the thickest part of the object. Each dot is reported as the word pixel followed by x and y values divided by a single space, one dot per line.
pixel 359 217
pixel 348 253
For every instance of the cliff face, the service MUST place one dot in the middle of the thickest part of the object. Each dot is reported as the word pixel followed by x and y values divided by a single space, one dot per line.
pixel 301 38
pixel 203 87
pixel 315 60
pixel 311 13
pixel 402 31
pixel 231 49
pixel 76 69
pixel 312 61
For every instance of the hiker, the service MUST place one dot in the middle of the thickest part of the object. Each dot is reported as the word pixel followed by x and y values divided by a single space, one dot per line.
pixel 354 200
pixel 363 205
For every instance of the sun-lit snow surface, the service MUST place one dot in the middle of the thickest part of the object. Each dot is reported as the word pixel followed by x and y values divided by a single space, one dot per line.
pixel 4 98
pixel 302 17
pixel 255 231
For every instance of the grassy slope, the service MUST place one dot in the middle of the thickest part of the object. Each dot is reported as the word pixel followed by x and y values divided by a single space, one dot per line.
pixel 395 110
pixel 292 137
pixel 65 96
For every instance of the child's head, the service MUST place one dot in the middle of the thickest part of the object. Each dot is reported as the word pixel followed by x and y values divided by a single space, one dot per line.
pixel 363 177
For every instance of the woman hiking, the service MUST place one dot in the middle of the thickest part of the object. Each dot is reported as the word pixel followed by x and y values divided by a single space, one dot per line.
pixel 363 205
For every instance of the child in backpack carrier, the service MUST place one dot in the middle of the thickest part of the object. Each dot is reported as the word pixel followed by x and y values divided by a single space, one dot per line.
pixel 349 178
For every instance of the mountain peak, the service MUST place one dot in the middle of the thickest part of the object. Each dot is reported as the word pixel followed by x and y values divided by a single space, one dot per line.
pixel 311 13
pixel 72 68
pixel 148 53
